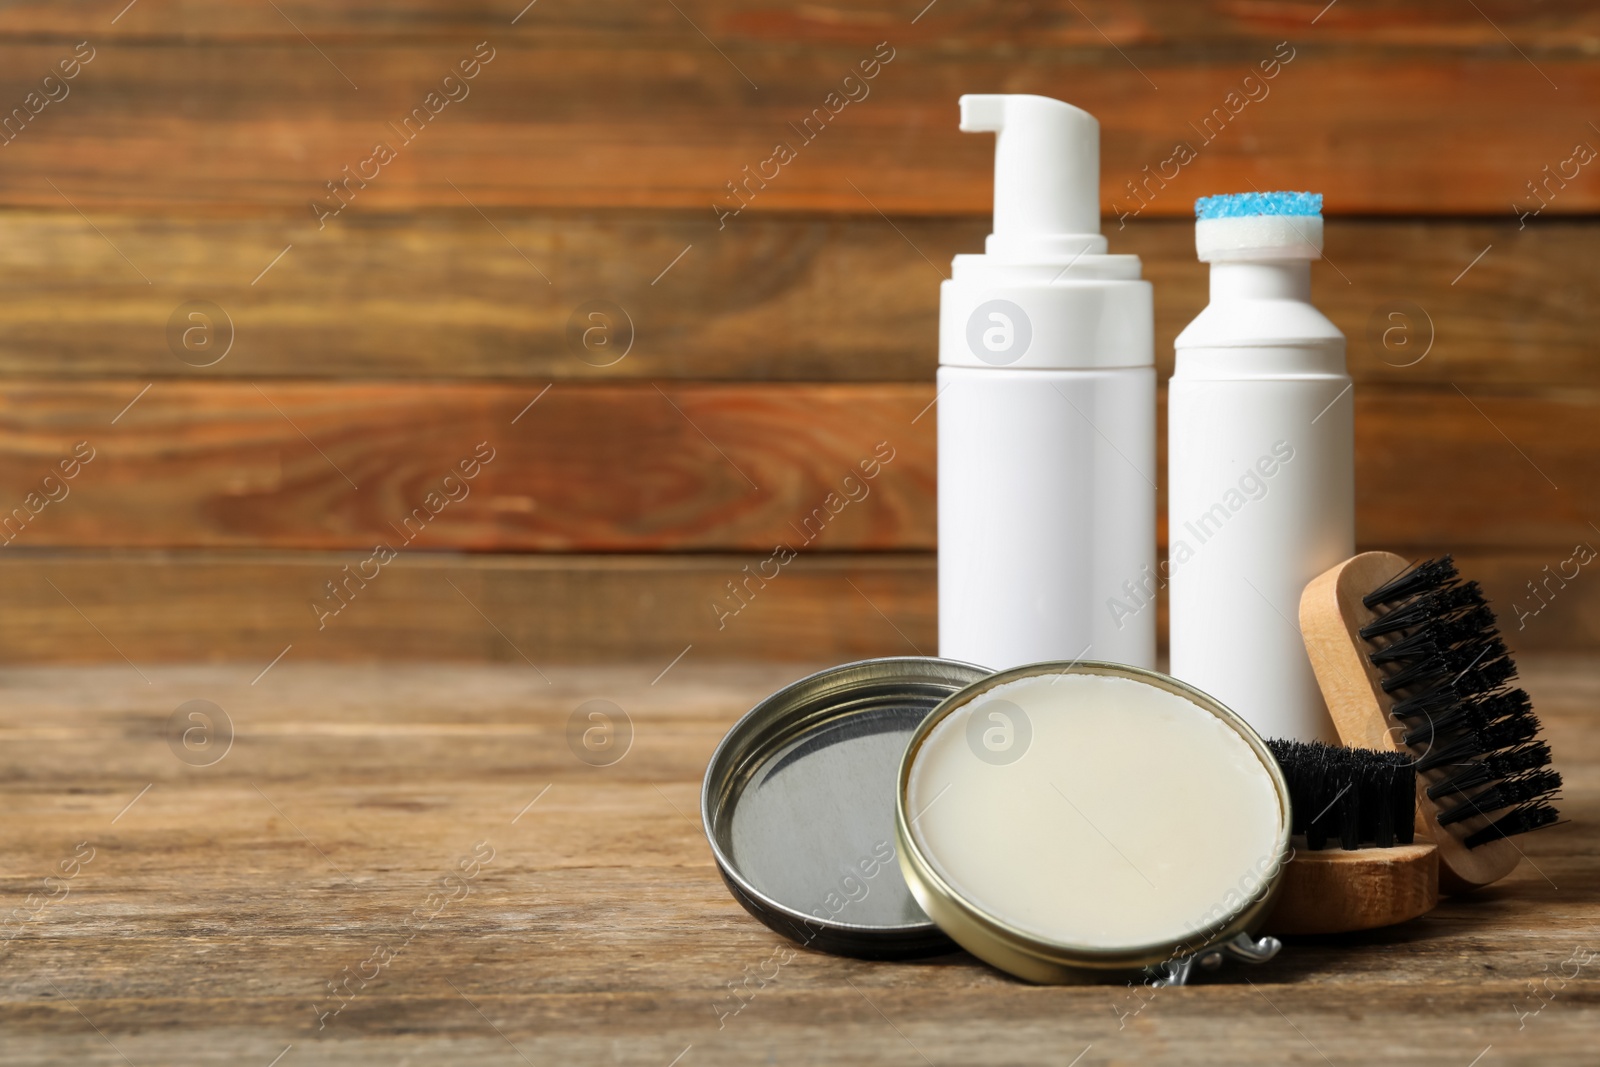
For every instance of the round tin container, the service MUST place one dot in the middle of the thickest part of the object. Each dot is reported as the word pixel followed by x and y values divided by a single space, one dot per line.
pixel 1032 956
pixel 799 806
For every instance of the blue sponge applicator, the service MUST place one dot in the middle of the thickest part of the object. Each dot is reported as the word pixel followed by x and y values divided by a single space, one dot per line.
pixel 1256 226
pixel 1243 205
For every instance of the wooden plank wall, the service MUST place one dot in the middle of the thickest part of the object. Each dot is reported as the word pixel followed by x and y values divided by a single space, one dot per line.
pixel 380 302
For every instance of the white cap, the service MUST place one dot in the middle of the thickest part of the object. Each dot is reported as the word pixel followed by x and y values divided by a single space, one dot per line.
pixel 1259 237
pixel 1046 175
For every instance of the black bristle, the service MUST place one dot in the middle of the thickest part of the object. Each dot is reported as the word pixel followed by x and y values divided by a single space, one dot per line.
pixel 1432 637
pixel 1529 817
pixel 1491 767
pixel 1352 796
pixel 1474 743
pixel 1475 665
pixel 1416 645
pixel 1426 705
pixel 1403 802
pixel 1472 714
pixel 1440 655
pixel 1438 604
pixel 1509 792
pixel 1348 813
pixel 1420 579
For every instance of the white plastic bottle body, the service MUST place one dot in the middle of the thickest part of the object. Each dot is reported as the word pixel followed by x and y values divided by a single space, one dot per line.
pixel 1046 514
pixel 1261 499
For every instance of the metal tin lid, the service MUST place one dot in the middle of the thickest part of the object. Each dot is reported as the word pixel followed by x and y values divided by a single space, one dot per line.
pixel 1000 833
pixel 799 806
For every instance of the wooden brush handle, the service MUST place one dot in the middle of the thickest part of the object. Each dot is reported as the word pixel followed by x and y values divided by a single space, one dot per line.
pixel 1331 618
pixel 1337 892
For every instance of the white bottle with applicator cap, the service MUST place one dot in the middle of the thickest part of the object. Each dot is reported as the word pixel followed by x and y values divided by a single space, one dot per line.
pixel 1046 410
pixel 1260 463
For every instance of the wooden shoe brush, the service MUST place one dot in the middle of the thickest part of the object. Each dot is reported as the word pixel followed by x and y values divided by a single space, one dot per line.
pixel 1409 659
pixel 1357 864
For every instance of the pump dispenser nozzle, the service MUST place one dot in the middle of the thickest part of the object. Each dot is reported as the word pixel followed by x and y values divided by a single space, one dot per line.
pixel 1046 175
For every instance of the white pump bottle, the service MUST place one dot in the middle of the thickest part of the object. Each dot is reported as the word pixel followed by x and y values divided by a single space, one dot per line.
pixel 1046 411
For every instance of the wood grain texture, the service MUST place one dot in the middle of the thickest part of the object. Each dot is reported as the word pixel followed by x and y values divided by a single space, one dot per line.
pixel 686 466
pixel 1331 626
pixel 172 606
pixel 219 906
pixel 1332 891
pixel 584 167
pixel 775 298
pixel 137 608
pixel 643 121
pixel 625 467
pixel 954 26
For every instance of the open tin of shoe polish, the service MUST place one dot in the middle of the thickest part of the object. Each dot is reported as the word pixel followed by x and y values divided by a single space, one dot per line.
pixel 799 806
pixel 1082 822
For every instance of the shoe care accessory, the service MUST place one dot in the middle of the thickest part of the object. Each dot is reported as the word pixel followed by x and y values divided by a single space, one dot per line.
pixel 1046 411
pixel 1071 822
pixel 798 805
pixel 1409 659
pixel 1357 864
pixel 1260 495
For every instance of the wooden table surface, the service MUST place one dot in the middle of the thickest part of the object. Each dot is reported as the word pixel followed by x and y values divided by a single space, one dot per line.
pixel 161 912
